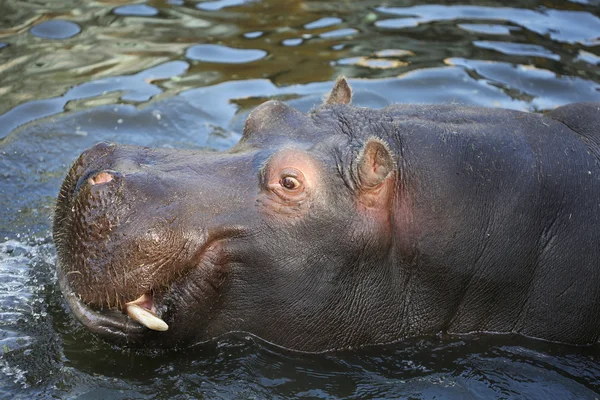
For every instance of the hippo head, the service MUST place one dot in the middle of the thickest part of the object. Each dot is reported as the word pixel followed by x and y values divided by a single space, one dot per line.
pixel 277 237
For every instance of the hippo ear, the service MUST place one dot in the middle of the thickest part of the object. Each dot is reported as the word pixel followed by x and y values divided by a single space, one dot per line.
pixel 341 92
pixel 375 164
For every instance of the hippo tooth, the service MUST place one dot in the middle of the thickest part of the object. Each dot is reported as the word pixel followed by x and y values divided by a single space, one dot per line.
pixel 146 318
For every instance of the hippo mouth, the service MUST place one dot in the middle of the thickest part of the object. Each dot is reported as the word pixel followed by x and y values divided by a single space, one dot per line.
pixel 128 324
pixel 143 320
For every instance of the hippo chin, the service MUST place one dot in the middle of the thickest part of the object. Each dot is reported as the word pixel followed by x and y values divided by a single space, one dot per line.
pixel 342 227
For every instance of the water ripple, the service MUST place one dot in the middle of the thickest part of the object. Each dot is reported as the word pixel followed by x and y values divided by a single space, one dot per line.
pixel 223 54
pixel 141 72
pixel 561 25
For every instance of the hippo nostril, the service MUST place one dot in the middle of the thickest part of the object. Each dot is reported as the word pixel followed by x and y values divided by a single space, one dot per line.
pixel 101 177
pixel 98 179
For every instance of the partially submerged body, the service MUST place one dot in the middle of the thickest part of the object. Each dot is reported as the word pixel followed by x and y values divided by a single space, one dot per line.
pixel 342 227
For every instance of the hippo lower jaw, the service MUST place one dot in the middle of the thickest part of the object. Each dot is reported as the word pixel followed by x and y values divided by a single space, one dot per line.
pixel 142 321
pixel 111 323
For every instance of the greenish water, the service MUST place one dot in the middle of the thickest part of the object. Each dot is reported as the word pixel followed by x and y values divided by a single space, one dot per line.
pixel 185 74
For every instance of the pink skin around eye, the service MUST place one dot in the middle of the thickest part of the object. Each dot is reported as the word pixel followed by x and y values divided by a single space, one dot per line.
pixel 286 169
pixel 293 163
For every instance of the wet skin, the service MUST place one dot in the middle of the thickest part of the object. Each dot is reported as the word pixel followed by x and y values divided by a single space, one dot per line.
pixel 342 227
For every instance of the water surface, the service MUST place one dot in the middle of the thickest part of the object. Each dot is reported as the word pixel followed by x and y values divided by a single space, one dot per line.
pixel 185 74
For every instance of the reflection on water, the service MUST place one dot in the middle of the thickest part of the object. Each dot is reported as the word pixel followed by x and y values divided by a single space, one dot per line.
pixel 541 20
pixel 222 54
pixel 55 29
pixel 183 73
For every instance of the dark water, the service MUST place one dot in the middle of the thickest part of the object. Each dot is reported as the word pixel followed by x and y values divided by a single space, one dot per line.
pixel 182 73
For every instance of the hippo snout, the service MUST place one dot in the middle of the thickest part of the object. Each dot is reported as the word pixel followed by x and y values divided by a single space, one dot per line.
pixel 127 232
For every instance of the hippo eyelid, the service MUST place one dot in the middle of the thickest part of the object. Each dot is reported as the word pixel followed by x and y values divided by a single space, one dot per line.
pixel 263 171
pixel 291 172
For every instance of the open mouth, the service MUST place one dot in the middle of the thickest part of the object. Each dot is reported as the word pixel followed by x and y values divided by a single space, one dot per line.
pixel 136 318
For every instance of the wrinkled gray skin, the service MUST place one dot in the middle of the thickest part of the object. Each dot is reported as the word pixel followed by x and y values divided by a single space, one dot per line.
pixel 406 221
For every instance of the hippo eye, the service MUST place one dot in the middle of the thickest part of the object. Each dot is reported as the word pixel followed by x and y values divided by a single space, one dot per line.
pixel 289 182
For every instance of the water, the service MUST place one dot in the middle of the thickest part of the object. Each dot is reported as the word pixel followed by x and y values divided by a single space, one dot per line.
pixel 182 73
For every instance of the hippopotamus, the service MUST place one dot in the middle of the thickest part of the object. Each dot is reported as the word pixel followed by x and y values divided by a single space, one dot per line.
pixel 342 227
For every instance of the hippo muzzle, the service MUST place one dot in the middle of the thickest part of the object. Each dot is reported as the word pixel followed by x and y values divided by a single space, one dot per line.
pixel 127 233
